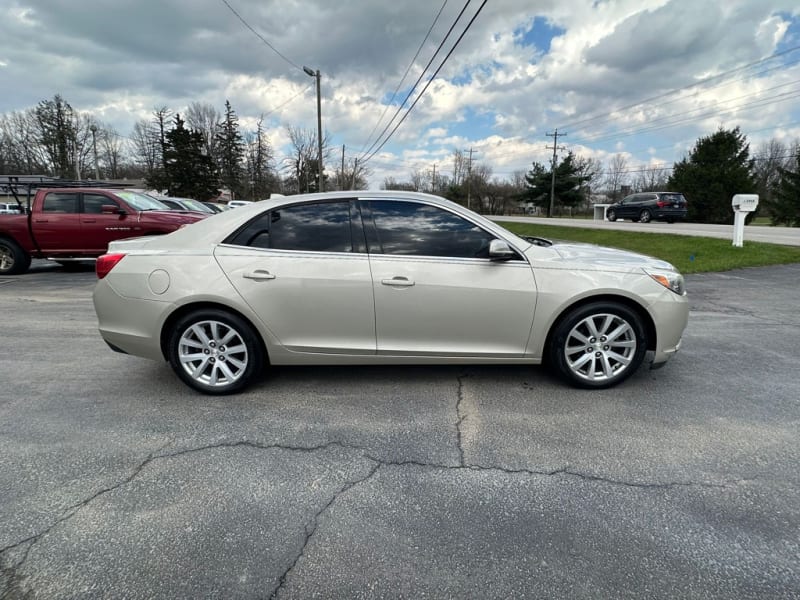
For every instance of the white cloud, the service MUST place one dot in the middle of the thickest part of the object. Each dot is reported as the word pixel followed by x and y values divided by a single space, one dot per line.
pixel 497 93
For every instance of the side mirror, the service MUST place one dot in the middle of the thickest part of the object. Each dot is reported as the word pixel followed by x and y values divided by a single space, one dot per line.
pixel 112 209
pixel 500 250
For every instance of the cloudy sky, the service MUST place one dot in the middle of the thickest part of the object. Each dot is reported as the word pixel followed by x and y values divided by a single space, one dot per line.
pixel 644 78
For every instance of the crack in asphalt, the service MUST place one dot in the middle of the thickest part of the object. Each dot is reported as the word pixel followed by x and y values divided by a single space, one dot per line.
pixel 12 573
pixel 315 524
pixel 551 473
pixel 15 578
pixel 460 418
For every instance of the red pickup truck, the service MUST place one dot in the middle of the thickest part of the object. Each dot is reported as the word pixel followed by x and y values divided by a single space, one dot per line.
pixel 65 224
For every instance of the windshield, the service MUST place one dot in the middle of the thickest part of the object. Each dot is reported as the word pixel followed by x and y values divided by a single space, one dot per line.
pixel 195 205
pixel 141 201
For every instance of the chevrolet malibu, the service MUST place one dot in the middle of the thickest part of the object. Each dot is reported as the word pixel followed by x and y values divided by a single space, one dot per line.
pixel 353 278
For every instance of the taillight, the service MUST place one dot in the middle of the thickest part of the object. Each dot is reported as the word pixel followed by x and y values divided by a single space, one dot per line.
pixel 662 204
pixel 105 263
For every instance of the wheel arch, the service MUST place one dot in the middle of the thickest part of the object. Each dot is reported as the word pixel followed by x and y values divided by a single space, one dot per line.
pixel 644 315
pixel 180 312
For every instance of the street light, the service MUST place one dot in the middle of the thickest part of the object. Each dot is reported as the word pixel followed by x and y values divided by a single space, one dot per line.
pixel 311 73
pixel 93 129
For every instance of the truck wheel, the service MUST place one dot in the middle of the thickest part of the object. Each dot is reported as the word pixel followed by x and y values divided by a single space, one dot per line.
pixel 13 259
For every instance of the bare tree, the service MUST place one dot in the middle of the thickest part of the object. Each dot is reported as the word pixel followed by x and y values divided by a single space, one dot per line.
pixel 22 153
pixel 204 118
pixel 303 164
pixel 110 150
pixel 651 179
pixel 616 176
pixel 768 158
pixel 460 167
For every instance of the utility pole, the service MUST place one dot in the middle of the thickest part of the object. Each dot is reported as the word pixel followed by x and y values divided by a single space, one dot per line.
pixel 433 181
pixel 316 75
pixel 93 129
pixel 341 173
pixel 355 172
pixel 469 178
pixel 555 137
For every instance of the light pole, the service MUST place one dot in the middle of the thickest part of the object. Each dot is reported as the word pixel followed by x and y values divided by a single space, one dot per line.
pixel 311 73
pixel 93 129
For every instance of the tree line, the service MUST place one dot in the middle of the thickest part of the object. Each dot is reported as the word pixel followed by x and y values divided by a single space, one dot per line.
pixel 194 154
pixel 203 151
pixel 719 166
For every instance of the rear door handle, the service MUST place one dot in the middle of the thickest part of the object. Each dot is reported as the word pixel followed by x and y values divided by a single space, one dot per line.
pixel 398 282
pixel 259 275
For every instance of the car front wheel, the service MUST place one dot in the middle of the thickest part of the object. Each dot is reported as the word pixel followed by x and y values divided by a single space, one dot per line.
pixel 611 214
pixel 215 352
pixel 598 345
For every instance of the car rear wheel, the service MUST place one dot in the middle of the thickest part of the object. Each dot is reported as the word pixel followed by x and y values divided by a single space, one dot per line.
pixel 13 259
pixel 611 214
pixel 645 216
pixel 215 352
pixel 598 345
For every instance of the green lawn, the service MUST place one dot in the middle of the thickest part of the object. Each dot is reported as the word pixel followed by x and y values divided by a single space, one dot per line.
pixel 688 254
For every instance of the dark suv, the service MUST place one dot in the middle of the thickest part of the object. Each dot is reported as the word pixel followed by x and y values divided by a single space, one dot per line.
pixel 649 206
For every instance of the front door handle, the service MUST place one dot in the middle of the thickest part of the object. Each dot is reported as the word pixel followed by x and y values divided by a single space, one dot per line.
pixel 398 282
pixel 259 275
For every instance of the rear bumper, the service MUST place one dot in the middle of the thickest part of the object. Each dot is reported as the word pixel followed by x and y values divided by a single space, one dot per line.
pixel 670 214
pixel 129 325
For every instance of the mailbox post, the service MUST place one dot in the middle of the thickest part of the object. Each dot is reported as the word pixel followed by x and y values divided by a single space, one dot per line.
pixel 742 204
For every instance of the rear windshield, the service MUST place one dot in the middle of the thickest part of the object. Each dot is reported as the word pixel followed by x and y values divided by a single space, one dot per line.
pixel 674 198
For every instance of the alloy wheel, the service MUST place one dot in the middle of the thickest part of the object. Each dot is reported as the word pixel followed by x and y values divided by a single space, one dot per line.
pixel 600 347
pixel 213 353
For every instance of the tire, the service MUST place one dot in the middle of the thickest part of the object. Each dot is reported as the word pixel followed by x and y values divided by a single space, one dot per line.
pixel 583 356
pixel 645 216
pixel 227 356
pixel 611 214
pixel 13 259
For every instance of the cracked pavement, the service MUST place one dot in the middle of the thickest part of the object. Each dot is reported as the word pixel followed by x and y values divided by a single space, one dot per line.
pixel 389 482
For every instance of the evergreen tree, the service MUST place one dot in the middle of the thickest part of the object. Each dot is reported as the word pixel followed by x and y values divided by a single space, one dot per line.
pixel 570 177
pixel 785 204
pixel 717 168
pixel 231 150
pixel 57 135
pixel 261 177
pixel 190 171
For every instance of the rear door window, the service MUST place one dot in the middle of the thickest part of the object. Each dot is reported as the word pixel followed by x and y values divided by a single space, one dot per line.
pixel 56 202
pixel 317 227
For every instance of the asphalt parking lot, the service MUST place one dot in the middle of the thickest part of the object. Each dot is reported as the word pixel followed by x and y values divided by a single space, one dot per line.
pixel 450 482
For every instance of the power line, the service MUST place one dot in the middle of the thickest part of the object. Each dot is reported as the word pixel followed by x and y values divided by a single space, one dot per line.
pixel 419 79
pixel 684 88
pixel 261 37
pixel 410 108
pixel 402 79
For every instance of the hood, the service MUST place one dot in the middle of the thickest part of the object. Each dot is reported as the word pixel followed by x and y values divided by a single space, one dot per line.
pixel 172 216
pixel 589 256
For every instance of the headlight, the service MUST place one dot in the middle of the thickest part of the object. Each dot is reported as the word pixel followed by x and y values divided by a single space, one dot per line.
pixel 672 280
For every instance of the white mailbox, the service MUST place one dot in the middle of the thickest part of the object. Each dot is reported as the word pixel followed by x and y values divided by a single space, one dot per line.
pixel 742 204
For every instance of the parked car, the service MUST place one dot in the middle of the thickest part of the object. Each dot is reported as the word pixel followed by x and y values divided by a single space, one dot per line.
pixel 649 206
pixel 214 206
pixel 381 278
pixel 9 208
pixel 184 204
